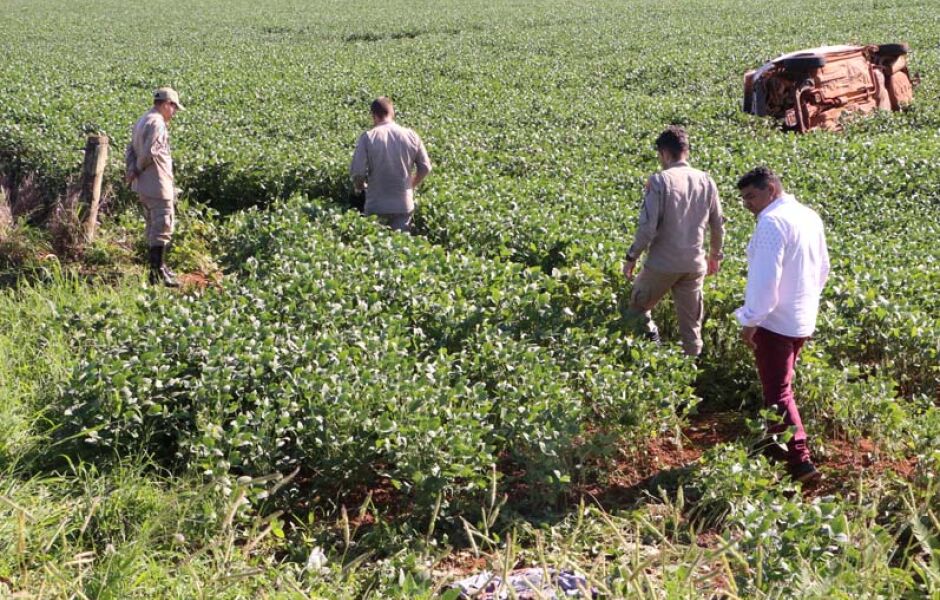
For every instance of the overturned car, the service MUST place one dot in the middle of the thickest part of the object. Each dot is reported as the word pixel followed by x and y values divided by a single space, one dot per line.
pixel 814 88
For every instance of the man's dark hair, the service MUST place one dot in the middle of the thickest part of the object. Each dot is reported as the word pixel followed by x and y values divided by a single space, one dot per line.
pixel 674 140
pixel 381 107
pixel 759 177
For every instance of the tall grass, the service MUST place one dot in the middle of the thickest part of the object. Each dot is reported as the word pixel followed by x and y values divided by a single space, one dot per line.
pixel 34 344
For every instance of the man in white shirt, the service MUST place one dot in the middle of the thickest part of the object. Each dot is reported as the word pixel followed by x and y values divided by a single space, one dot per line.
pixel 788 265
pixel 389 162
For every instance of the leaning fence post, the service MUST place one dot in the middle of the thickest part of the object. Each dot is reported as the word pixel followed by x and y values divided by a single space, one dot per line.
pixel 96 158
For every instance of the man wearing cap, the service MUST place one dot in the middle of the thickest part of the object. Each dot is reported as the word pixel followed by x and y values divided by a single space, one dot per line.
pixel 389 162
pixel 149 171
pixel 679 204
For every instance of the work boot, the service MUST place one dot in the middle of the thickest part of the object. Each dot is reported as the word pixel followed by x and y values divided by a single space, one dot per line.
pixel 164 266
pixel 158 271
pixel 805 472
pixel 642 324
pixel 153 262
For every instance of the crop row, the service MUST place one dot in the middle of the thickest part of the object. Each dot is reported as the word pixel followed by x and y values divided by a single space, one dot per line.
pixel 372 359
pixel 540 126
pixel 365 357
pixel 496 338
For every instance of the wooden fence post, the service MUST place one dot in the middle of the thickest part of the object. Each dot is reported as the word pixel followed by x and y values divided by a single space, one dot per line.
pixel 96 159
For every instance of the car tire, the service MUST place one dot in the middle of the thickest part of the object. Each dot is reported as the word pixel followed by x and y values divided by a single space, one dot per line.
pixel 893 49
pixel 803 62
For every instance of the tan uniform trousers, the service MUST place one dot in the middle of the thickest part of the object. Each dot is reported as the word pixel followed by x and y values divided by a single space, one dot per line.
pixel 397 221
pixel 160 217
pixel 649 288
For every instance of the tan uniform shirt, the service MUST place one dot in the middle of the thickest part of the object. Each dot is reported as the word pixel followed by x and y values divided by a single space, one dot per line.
pixel 680 203
pixel 149 155
pixel 384 157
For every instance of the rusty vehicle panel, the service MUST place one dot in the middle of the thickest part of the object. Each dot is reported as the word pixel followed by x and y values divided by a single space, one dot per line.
pixel 818 88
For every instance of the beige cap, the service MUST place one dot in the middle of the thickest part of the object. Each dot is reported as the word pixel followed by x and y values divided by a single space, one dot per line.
pixel 168 94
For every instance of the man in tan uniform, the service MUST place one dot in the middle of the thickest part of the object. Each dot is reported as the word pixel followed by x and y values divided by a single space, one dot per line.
pixel 679 204
pixel 382 165
pixel 149 171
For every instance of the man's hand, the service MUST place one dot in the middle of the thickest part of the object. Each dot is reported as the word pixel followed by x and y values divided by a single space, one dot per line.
pixel 417 178
pixel 129 177
pixel 714 265
pixel 628 268
pixel 359 184
pixel 747 336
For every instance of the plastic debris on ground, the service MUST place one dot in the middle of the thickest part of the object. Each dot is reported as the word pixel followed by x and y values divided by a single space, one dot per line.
pixel 525 584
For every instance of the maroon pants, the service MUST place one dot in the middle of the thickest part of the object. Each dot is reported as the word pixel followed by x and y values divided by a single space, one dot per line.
pixel 776 357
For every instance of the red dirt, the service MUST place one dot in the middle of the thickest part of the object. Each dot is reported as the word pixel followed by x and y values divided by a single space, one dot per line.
pixel 841 462
pixel 638 471
pixel 845 462
pixel 631 476
pixel 866 456
pixel 199 281
pixel 458 564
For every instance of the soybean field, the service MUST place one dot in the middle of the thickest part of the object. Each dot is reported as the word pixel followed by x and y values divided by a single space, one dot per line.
pixel 347 412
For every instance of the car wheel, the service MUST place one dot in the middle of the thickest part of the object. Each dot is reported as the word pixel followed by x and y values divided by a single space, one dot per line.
pixel 893 49
pixel 803 62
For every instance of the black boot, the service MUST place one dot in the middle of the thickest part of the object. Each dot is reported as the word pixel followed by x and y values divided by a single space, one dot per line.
pixel 163 266
pixel 158 273
pixel 169 277
pixel 153 262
